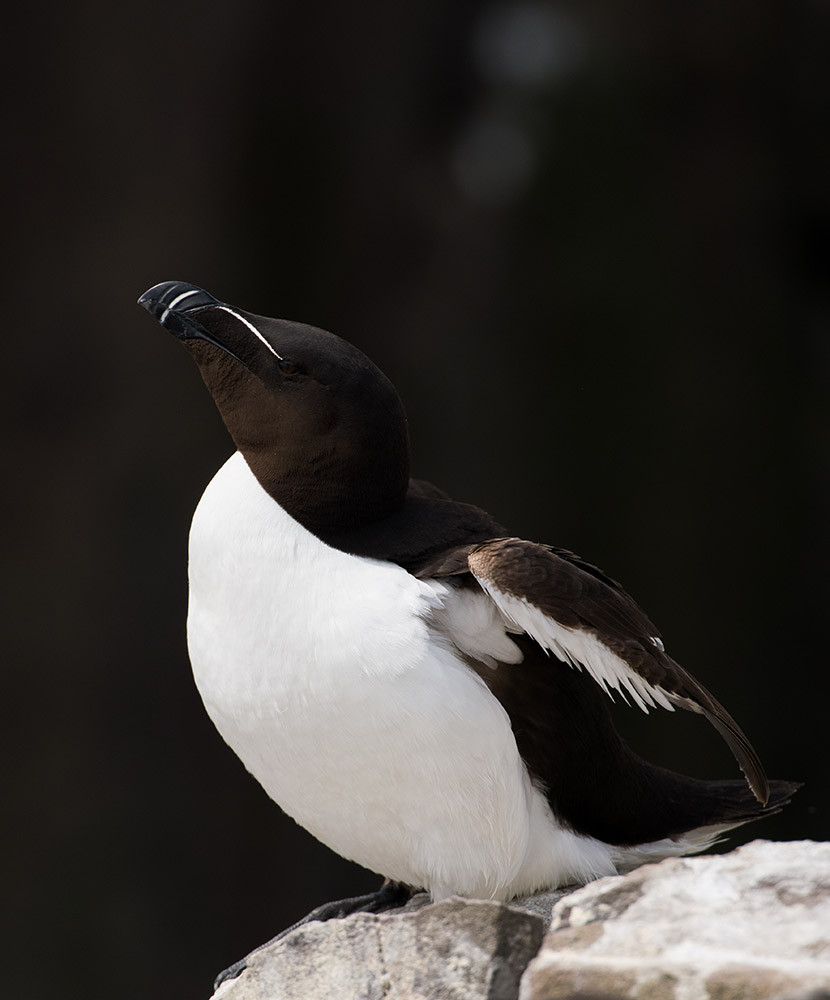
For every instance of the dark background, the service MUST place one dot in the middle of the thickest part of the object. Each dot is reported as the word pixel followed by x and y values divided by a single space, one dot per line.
pixel 588 242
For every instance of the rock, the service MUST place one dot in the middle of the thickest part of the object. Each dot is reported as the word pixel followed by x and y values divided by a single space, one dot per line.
pixel 458 949
pixel 750 925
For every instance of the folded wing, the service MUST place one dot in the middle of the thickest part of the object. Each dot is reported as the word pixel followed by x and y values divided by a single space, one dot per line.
pixel 586 619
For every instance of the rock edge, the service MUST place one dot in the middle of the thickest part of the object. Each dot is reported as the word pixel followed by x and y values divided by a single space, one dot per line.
pixel 753 924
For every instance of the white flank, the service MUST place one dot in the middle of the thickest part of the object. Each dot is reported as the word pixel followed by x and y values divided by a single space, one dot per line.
pixel 341 684
pixel 580 649
pixel 251 327
pixel 472 623
pixel 691 842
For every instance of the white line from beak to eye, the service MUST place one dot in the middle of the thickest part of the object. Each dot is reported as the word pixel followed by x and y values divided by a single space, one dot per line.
pixel 252 328
pixel 176 301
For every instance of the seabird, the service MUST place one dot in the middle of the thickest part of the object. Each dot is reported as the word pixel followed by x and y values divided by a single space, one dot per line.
pixel 423 692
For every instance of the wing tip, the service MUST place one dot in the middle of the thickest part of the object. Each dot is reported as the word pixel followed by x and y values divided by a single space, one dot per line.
pixel 758 785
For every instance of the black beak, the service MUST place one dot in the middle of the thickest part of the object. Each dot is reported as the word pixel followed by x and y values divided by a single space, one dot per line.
pixel 171 300
pixel 176 305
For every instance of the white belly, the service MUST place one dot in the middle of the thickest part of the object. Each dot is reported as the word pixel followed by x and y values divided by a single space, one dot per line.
pixel 327 676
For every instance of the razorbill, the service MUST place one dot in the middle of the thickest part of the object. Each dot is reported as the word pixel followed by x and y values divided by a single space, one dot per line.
pixel 424 693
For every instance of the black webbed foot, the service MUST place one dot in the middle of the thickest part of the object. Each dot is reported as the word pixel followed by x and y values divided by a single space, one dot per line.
pixel 389 896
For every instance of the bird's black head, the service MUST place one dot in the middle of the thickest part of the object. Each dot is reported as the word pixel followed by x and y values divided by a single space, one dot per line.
pixel 321 427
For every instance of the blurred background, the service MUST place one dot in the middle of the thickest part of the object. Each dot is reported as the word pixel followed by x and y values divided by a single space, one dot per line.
pixel 587 241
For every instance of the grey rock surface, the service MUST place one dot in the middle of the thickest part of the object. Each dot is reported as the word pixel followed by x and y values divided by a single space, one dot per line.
pixel 750 925
pixel 454 950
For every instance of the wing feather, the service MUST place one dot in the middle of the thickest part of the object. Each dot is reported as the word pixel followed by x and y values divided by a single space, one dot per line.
pixel 586 619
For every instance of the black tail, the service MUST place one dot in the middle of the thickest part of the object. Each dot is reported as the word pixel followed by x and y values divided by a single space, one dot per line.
pixel 660 803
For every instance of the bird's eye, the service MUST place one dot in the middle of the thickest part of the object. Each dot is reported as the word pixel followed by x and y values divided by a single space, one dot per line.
pixel 287 367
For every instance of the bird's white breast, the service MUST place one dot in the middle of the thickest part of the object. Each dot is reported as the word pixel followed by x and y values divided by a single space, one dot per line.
pixel 338 682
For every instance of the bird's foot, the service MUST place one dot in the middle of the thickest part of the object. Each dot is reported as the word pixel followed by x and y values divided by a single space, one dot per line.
pixel 389 896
